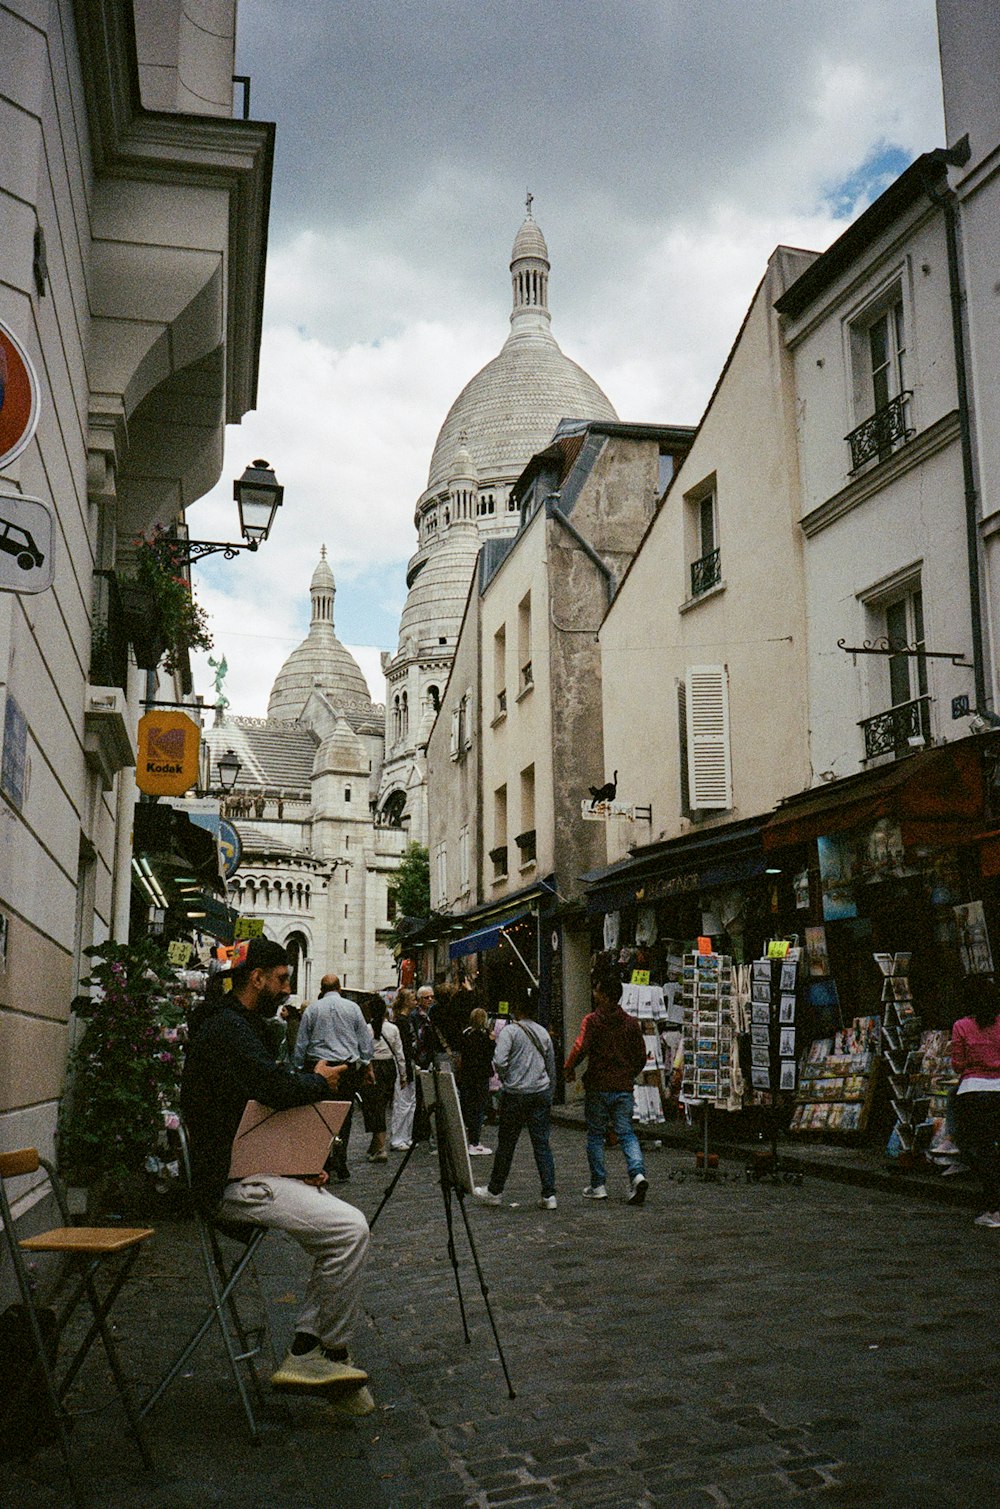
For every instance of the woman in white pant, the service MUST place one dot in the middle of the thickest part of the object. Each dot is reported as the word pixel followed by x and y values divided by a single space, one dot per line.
pixel 404 1099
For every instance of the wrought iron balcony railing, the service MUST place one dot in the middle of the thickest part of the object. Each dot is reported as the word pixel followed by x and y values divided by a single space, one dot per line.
pixel 109 635
pixel 706 572
pixel 880 434
pixel 898 731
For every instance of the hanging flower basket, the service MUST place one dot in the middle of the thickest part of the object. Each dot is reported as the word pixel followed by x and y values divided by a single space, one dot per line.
pixel 164 620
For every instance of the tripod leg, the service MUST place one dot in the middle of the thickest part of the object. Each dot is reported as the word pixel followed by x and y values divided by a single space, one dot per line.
pixel 395 1180
pixel 483 1289
pixel 446 1190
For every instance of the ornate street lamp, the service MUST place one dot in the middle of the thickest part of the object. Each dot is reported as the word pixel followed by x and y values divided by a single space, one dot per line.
pixel 229 768
pixel 258 495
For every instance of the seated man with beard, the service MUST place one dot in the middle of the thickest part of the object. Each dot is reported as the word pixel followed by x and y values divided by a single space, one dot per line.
pixel 228 1062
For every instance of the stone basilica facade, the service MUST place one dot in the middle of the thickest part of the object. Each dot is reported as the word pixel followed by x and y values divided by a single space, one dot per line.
pixel 506 413
pixel 331 786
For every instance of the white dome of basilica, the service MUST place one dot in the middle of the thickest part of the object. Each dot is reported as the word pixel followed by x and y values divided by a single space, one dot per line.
pixel 511 408
pixel 320 661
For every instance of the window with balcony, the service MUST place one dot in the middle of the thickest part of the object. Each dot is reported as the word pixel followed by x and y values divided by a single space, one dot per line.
pixel 703 538
pixel 881 395
pixel 526 678
pixel 498 854
pixel 500 673
pixel 905 724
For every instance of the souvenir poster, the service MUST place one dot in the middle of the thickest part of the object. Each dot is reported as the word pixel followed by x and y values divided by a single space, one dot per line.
pixel 973 939
pixel 760 992
pixel 836 878
pixel 786 1011
pixel 788 1074
pixel 760 1013
pixel 788 973
pixel 760 1078
pixel 816 952
pixel 762 971
pixel 800 888
pixel 787 1043
pixel 760 1058
pixel 760 1037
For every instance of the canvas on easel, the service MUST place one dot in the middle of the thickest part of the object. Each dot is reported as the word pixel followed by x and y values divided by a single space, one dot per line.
pixel 441 1095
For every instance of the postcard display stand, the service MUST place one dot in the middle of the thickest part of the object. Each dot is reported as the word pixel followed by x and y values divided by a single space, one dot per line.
pixel 708 1042
pixel 901 1047
pixel 648 1003
pixel 773 1003
pixel 837 1080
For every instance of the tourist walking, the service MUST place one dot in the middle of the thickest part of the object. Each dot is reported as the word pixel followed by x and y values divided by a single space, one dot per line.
pixel 475 1069
pixel 334 1028
pixel 612 1043
pixel 388 1066
pixel 525 1062
pixel 975 1057
pixel 404 1098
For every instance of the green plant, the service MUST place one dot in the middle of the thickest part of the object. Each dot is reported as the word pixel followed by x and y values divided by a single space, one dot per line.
pixel 159 573
pixel 125 1071
pixel 411 885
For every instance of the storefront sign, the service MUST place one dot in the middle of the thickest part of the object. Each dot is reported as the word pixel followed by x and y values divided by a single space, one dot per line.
pixel 167 758
pixel 18 397
pixel 27 544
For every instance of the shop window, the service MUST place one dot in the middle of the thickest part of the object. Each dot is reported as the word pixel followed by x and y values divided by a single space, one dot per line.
pixel 708 759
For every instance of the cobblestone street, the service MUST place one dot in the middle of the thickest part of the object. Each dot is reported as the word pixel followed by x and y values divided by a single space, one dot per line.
pixel 728 1344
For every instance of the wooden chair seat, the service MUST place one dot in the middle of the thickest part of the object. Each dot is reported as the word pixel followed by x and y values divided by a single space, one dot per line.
pixel 92 1239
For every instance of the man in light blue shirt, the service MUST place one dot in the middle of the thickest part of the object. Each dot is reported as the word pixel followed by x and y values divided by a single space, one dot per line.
pixel 334 1028
pixel 525 1061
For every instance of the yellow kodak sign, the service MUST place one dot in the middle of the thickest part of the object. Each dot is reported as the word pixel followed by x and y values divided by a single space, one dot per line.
pixel 167 756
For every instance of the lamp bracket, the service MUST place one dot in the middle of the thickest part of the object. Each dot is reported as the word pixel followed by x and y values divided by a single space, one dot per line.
pixel 886 646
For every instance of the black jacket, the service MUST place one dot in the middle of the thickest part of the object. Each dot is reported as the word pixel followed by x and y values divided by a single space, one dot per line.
pixel 229 1062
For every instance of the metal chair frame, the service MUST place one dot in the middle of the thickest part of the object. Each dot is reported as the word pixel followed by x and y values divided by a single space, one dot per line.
pixel 87 1248
pixel 224 1276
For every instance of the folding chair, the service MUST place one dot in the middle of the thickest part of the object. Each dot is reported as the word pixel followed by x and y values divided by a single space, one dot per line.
pixel 224 1275
pixel 87 1248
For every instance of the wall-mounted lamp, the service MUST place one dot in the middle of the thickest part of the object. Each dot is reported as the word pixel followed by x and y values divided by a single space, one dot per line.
pixel 229 768
pixel 258 495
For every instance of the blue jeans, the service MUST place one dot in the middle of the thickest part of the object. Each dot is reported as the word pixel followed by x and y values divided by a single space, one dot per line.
pixel 517 1112
pixel 604 1108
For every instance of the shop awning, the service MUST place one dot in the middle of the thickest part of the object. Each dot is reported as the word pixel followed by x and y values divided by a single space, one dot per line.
pixel 697 862
pixel 936 796
pixel 485 938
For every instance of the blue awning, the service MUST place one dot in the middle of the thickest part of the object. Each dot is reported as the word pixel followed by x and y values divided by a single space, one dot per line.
pixel 486 937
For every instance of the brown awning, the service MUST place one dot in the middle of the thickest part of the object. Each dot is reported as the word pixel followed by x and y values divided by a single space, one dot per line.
pixel 936 796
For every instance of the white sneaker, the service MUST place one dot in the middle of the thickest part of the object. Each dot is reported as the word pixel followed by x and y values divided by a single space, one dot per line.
pixel 479 1150
pixel 486 1196
pixel 547 1202
pixel 639 1186
pixel 596 1192
pixel 988 1218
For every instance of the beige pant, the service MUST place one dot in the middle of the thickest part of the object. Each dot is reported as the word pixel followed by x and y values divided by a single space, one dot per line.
pixel 333 1233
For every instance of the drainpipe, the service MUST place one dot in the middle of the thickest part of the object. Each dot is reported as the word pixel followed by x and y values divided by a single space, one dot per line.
pixel 552 512
pixel 947 202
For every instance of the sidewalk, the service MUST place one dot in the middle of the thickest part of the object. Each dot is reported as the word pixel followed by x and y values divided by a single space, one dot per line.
pixel 864 1167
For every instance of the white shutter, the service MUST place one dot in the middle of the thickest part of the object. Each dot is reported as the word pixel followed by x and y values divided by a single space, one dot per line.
pixel 468 718
pixel 455 727
pixel 710 772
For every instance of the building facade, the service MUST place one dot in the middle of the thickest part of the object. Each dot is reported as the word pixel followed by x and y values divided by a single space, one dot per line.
pixel 135 214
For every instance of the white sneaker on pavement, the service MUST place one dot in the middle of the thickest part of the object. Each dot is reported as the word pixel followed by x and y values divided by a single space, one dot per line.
pixel 596 1192
pixel 547 1202
pixel 640 1184
pixel 486 1196
pixel 988 1218
pixel 479 1150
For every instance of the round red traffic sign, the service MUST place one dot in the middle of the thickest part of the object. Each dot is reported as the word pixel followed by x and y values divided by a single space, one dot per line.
pixel 18 397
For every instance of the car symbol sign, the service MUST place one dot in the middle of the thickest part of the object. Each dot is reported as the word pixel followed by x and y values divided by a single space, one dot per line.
pixel 27 540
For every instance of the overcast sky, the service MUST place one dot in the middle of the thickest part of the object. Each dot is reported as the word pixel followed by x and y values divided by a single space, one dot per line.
pixel 670 146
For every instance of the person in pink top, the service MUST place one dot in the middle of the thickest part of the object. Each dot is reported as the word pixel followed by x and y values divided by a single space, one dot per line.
pixel 975 1057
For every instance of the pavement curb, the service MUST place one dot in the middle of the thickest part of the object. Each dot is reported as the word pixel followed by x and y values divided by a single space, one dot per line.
pixel 959 1191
